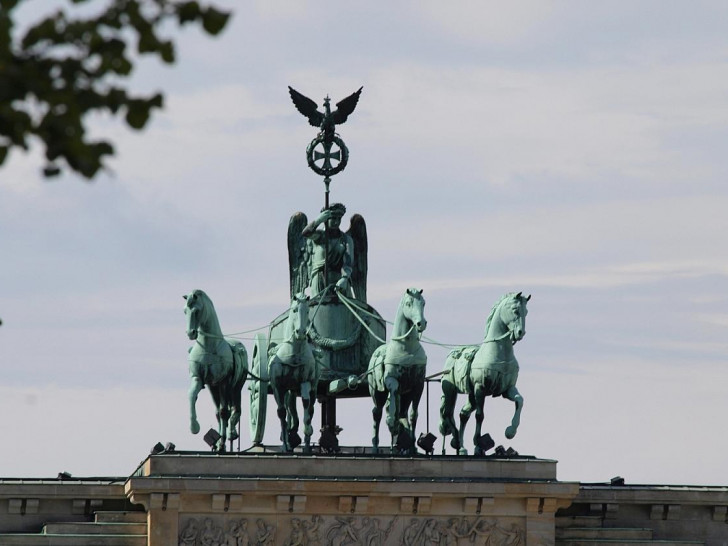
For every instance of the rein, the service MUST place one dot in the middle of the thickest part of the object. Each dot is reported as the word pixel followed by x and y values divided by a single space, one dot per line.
pixel 508 333
pixel 350 307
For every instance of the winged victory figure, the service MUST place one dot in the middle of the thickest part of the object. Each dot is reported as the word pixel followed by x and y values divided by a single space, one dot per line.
pixel 344 254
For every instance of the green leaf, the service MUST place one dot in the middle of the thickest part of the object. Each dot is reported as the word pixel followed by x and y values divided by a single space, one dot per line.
pixel 188 12
pixel 121 65
pixel 51 170
pixel 45 30
pixel 137 114
pixel 62 66
pixel 8 5
pixel 213 21
pixel 157 101
pixel 115 98
pixel 166 50
pixel 148 42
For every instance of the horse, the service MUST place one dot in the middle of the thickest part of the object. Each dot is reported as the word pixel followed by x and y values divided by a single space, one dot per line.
pixel 396 373
pixel 490 369
pixel 218 363
pixel 293 370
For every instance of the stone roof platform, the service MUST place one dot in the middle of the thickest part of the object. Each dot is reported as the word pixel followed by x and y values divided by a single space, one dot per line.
pixel 349 493
pixel 277 499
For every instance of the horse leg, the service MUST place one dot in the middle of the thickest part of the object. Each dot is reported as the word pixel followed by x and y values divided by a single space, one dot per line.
pixel 479 416
pixel 391 384
pixel 393 402
pixel 515 396
pixel 292 420
pixel 224 420
pixel 447 411
pixel 195 388
pixel 235 396
pixel 415 397
pixel 404 430
pixel 465 412
pixel 279 394
pixel 379 398
pixel 280 398
pixel 216 395
pixel 307 401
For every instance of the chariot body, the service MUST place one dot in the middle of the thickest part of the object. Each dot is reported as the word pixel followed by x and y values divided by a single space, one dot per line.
pixel 330 267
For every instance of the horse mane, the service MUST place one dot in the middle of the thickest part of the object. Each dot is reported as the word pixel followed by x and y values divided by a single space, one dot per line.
pixel 413 293
pixel 207 307
pixel 206 301
pixel 493 311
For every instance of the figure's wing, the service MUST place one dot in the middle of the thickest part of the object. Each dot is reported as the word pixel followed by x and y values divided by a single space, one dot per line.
pixel 358 233
pixel 297 259
pixel 346 107
pixel 307 107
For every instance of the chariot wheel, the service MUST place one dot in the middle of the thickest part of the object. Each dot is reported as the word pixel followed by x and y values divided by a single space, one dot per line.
pixel 258 388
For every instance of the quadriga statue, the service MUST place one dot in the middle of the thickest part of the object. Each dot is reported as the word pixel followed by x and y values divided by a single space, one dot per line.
pixel 488 369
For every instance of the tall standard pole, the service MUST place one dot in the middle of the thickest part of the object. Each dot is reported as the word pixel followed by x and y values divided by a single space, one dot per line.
pixel 328 403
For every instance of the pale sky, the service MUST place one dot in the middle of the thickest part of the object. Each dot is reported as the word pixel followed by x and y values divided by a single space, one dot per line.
pixel 575 151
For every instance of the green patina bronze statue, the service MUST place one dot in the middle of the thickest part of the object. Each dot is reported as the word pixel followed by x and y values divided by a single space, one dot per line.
pixel 328 257
pixel 329 264
pixel 326 121
pixel 292 371
pixel 488 369
pixel 215 362
pixel 396 374
pixel 329 343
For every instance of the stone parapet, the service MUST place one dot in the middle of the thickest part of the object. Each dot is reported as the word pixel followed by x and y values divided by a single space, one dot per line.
pixel 671 512
pixel 351 467
pixel 27 504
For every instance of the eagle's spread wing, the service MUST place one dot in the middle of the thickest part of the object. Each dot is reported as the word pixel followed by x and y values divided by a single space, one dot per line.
pixel 345 107
pixel 308 108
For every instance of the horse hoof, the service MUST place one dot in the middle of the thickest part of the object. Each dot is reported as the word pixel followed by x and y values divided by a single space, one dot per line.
pixel 294 440
pixel 511 432
pixel 233 434
pixel 194 427
pixel 462 451
pixel 478 452
pixel 454 443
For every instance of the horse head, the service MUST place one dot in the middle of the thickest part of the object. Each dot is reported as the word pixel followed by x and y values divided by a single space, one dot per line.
pixel 195 312
pixel 413 308
pixel 513 314
pixel 298 316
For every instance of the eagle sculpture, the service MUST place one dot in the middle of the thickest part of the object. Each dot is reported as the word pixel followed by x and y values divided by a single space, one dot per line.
pixel 327 119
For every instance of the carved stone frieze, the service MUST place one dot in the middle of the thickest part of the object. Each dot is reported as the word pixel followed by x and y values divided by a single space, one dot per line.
pixel 317 530
pixel 226 531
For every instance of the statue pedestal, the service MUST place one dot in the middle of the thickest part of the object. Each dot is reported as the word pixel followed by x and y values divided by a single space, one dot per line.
pixel 348 500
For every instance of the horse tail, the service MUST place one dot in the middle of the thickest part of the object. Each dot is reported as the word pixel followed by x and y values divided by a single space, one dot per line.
pixel 375 370
pixel 240 365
